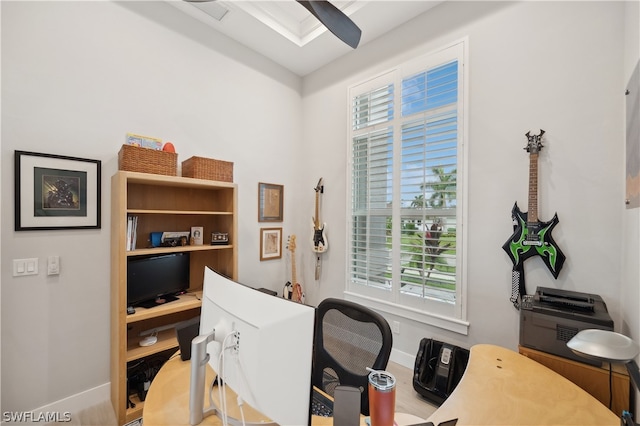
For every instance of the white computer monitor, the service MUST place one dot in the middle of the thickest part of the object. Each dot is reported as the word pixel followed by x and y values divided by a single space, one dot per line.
pixel 270 346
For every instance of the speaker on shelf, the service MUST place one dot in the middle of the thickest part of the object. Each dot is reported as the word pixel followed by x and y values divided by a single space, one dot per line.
pixel 185 332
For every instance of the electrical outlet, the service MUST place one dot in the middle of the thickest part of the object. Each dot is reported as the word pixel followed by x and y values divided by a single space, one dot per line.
pixel 236 342
pixel 396 327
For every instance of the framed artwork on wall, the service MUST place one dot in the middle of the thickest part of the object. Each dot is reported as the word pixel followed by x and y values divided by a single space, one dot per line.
pixel 56 192
pixel 270 202
pixel 270 243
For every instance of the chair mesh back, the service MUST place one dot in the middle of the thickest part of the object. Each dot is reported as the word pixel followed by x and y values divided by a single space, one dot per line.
pixel 353 344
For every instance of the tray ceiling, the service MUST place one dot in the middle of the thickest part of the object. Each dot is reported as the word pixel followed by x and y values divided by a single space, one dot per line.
pixel 288 34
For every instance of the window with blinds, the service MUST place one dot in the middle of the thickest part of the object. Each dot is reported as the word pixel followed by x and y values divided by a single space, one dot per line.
pixel 406 138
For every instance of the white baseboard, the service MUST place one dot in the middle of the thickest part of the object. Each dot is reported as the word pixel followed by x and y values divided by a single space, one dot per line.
pixel 71 404
pixel 403 358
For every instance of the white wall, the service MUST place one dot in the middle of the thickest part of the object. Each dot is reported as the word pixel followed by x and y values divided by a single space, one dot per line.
pixel 550 65
pixel 76 76
pixel 0 246
pixel 630 288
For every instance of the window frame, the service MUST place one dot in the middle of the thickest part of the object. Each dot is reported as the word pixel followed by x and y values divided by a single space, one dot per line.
pixel 452 317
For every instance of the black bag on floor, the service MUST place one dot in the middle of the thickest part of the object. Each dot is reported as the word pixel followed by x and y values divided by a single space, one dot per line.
pixel 438 369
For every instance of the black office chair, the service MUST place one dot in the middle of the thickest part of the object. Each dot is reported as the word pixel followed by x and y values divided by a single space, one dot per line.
pixel 349 338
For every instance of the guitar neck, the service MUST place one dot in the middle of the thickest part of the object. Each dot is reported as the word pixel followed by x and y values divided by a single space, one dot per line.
pixel 293 268
pixel 532 213
pixel 316 219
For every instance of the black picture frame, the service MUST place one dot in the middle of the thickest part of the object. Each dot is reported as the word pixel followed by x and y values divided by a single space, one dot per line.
pixel 56 192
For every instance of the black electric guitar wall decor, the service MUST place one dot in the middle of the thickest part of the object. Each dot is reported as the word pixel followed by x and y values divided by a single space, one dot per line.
pixel 530 235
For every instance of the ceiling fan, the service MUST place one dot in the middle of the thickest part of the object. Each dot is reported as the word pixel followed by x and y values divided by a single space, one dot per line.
pixel 331 17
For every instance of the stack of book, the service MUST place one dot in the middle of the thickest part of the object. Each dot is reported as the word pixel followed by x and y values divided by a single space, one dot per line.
pixel 132 232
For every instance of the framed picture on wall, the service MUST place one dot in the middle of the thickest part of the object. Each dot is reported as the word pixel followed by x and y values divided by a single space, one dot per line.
pixel 270 202
pixel 270 243
pixel 56 192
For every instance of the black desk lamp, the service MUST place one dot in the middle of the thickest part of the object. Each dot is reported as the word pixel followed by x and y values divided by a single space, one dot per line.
pixel 609 346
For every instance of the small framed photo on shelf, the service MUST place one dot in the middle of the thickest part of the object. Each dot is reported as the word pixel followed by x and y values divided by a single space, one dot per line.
pixel 270 202
pixel 270 243
pixel 197 236
pixel 56 192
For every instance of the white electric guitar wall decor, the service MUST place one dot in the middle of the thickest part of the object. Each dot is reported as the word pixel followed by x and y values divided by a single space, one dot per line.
pixel 319 239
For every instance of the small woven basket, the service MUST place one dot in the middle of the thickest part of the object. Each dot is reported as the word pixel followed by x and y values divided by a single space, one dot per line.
pixel 136 159
pixel 208 168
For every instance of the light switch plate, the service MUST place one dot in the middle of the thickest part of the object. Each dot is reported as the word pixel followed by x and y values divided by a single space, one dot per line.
pixel 23 267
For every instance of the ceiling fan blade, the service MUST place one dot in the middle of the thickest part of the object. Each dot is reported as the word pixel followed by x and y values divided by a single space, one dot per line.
pixel 330 16
pixel 335 21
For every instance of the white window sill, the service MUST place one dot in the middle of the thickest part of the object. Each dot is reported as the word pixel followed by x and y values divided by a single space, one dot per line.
pixel 436 320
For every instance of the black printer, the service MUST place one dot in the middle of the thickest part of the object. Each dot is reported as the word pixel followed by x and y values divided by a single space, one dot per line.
pixel 551 317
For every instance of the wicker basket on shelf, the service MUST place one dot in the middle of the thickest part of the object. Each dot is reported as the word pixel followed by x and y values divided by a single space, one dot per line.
pixel 136 159
pixel 208 168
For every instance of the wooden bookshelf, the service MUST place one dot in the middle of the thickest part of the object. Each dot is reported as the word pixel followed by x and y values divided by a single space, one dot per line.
pixel 162 203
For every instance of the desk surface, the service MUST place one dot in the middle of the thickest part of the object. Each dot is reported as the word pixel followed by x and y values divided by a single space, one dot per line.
pixel 167 402
pixel 502 387
pixel 499 387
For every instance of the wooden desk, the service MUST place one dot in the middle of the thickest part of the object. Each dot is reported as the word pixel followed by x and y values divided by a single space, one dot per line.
pixel 502 387
pixel 167 402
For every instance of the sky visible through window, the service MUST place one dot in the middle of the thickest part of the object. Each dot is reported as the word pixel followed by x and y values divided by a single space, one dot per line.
pixel 429 141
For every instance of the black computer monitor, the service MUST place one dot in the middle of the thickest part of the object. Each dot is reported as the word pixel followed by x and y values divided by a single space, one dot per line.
pixel 155 279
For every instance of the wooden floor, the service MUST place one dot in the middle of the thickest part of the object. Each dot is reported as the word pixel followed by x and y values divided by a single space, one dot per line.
pixel 99 415
pixel 407 401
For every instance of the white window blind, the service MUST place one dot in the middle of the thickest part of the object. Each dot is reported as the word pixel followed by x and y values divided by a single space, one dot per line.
pixel 406 139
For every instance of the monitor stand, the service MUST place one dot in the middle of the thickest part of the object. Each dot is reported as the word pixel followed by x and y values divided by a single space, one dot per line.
pixel 197 412
pixel 157 301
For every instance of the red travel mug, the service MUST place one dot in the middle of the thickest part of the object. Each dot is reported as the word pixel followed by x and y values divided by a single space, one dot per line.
pixel 382 398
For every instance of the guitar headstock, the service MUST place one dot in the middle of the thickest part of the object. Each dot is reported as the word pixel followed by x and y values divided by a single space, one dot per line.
pixel 319 187
pixel 534 142
pixel 291 243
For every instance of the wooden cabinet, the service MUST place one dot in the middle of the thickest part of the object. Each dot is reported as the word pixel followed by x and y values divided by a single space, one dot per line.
pixel 162 203
pixel 594 380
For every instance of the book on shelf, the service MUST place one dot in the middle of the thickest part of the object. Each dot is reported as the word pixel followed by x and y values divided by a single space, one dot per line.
pixel 144 141
pixel 132 232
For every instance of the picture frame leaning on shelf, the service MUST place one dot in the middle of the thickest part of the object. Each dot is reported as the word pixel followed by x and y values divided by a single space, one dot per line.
pixel 197 235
